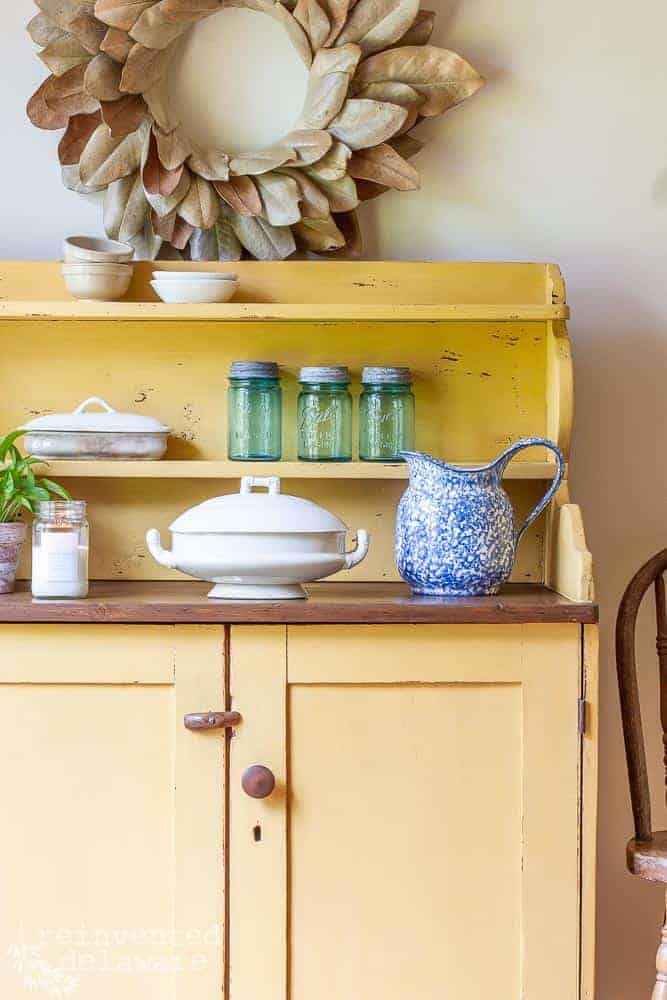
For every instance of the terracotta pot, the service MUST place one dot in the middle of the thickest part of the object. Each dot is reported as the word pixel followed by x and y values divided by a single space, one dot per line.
pixel 12 537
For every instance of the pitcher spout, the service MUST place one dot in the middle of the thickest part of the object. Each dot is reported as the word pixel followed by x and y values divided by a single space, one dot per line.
pixel 428 474
pixel 418 461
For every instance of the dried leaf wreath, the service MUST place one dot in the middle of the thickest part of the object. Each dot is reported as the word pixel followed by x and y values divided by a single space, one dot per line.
pixel 372 77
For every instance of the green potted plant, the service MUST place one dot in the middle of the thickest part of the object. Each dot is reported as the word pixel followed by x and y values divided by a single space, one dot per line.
pixel 20 491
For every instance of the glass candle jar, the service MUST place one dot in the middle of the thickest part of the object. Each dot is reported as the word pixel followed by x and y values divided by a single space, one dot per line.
pixel 324 415
pixel 386 414
pixel 60 549
pixel 254 417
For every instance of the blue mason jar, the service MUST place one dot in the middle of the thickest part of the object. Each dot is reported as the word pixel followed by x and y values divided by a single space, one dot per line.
pixel 386 414
pixel 324 414
pixel 254 417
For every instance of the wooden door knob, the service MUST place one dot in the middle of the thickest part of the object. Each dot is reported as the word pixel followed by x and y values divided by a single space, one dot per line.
pixel 258 782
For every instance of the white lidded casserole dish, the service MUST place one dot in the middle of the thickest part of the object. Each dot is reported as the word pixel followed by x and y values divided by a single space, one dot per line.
pixel 96 436
pixel 258 546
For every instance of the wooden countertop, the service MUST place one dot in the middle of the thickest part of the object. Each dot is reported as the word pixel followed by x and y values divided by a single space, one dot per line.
pixel 329 603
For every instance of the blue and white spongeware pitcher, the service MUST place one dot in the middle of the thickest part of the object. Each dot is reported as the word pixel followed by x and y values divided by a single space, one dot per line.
pixel 455 531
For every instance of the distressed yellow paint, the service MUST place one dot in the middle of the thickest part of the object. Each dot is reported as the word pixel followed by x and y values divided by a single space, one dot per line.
pixel 477 388
pixel 201 469
pixel 435 770
pixel 360 283
pixel 569 564
pixel 149 312
pixel 111 840
pixel 435 801
pixel 139 654
pixel 487 344
pixel 258 854
pixel 432 809
pixel 122 509
pixel 590 682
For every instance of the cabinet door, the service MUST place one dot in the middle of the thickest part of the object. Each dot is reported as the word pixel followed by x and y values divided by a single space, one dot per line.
pixel 423 838
pixel 112 813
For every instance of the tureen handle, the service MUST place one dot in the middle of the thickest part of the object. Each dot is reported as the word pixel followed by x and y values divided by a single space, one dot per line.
pixel 94 401
pixel 160 555
pixel 272 483
pixel 354 558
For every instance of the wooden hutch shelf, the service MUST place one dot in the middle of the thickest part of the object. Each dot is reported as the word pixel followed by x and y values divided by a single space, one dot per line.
pixel 258 312
pixel 286 470
pixel 487 345
pixel 295 292
pixel 149 603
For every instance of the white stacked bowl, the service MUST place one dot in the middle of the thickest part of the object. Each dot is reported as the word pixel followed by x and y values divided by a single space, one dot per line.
pixel 179 287
pixel 96 268
pixel 90 250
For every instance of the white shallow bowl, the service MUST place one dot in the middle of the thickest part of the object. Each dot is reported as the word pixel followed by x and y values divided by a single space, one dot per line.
pixel 192 276
pixel 186 291
pixel 105 286
pixel 92 250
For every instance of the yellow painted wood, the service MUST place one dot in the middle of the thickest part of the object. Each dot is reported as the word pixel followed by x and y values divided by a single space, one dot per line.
pixel 199 816
pixel 324 654
pixel 569 566
pixel 111 840
pixel 429 777
pixel 552 932
pixel 560 387
pixel 474 394
pixel 555 285
pixel 589 807
pixel 348 282
pixel 258 845
pixel 491 365
pixel 294 313
pixel 69 654
pixel 286 470
pixel 405 880
pixel 122 509
pixel 433 810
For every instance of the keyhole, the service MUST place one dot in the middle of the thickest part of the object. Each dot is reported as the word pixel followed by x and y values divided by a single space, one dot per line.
pixel 257 834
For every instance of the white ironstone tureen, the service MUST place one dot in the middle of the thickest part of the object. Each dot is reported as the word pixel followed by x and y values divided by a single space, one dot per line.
pixel 258 546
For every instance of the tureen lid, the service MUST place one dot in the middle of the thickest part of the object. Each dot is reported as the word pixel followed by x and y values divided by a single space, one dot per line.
pixel 246 511
pixel 108 420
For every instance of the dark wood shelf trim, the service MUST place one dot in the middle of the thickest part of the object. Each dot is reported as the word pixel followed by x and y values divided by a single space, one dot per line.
pixel 149 603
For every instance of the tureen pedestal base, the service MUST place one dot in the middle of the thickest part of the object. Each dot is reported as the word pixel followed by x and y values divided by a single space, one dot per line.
pixel 257 592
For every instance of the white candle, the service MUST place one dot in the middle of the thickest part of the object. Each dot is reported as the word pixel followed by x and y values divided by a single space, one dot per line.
pixel 59 561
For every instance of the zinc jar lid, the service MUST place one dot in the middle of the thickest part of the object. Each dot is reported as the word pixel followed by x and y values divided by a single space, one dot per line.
pixel 339 374
pixel 254 369
pixel 378 375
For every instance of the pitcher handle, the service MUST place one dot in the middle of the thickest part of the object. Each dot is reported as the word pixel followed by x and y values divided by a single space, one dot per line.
pixel 503 460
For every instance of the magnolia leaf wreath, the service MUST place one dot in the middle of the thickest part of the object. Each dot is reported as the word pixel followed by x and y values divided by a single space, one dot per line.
pixel 372 78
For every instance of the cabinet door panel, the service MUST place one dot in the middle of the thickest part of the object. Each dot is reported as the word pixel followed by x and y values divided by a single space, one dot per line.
pixel 111 839
pixel 407 821
pixel 428 818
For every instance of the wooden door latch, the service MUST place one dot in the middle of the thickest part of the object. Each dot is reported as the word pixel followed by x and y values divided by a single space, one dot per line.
pixel 197 721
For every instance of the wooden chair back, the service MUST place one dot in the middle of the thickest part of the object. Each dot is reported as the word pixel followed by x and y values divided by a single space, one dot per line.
pixel 650 574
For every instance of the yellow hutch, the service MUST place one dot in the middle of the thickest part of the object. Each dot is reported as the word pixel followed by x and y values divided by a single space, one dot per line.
pixel 432 828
